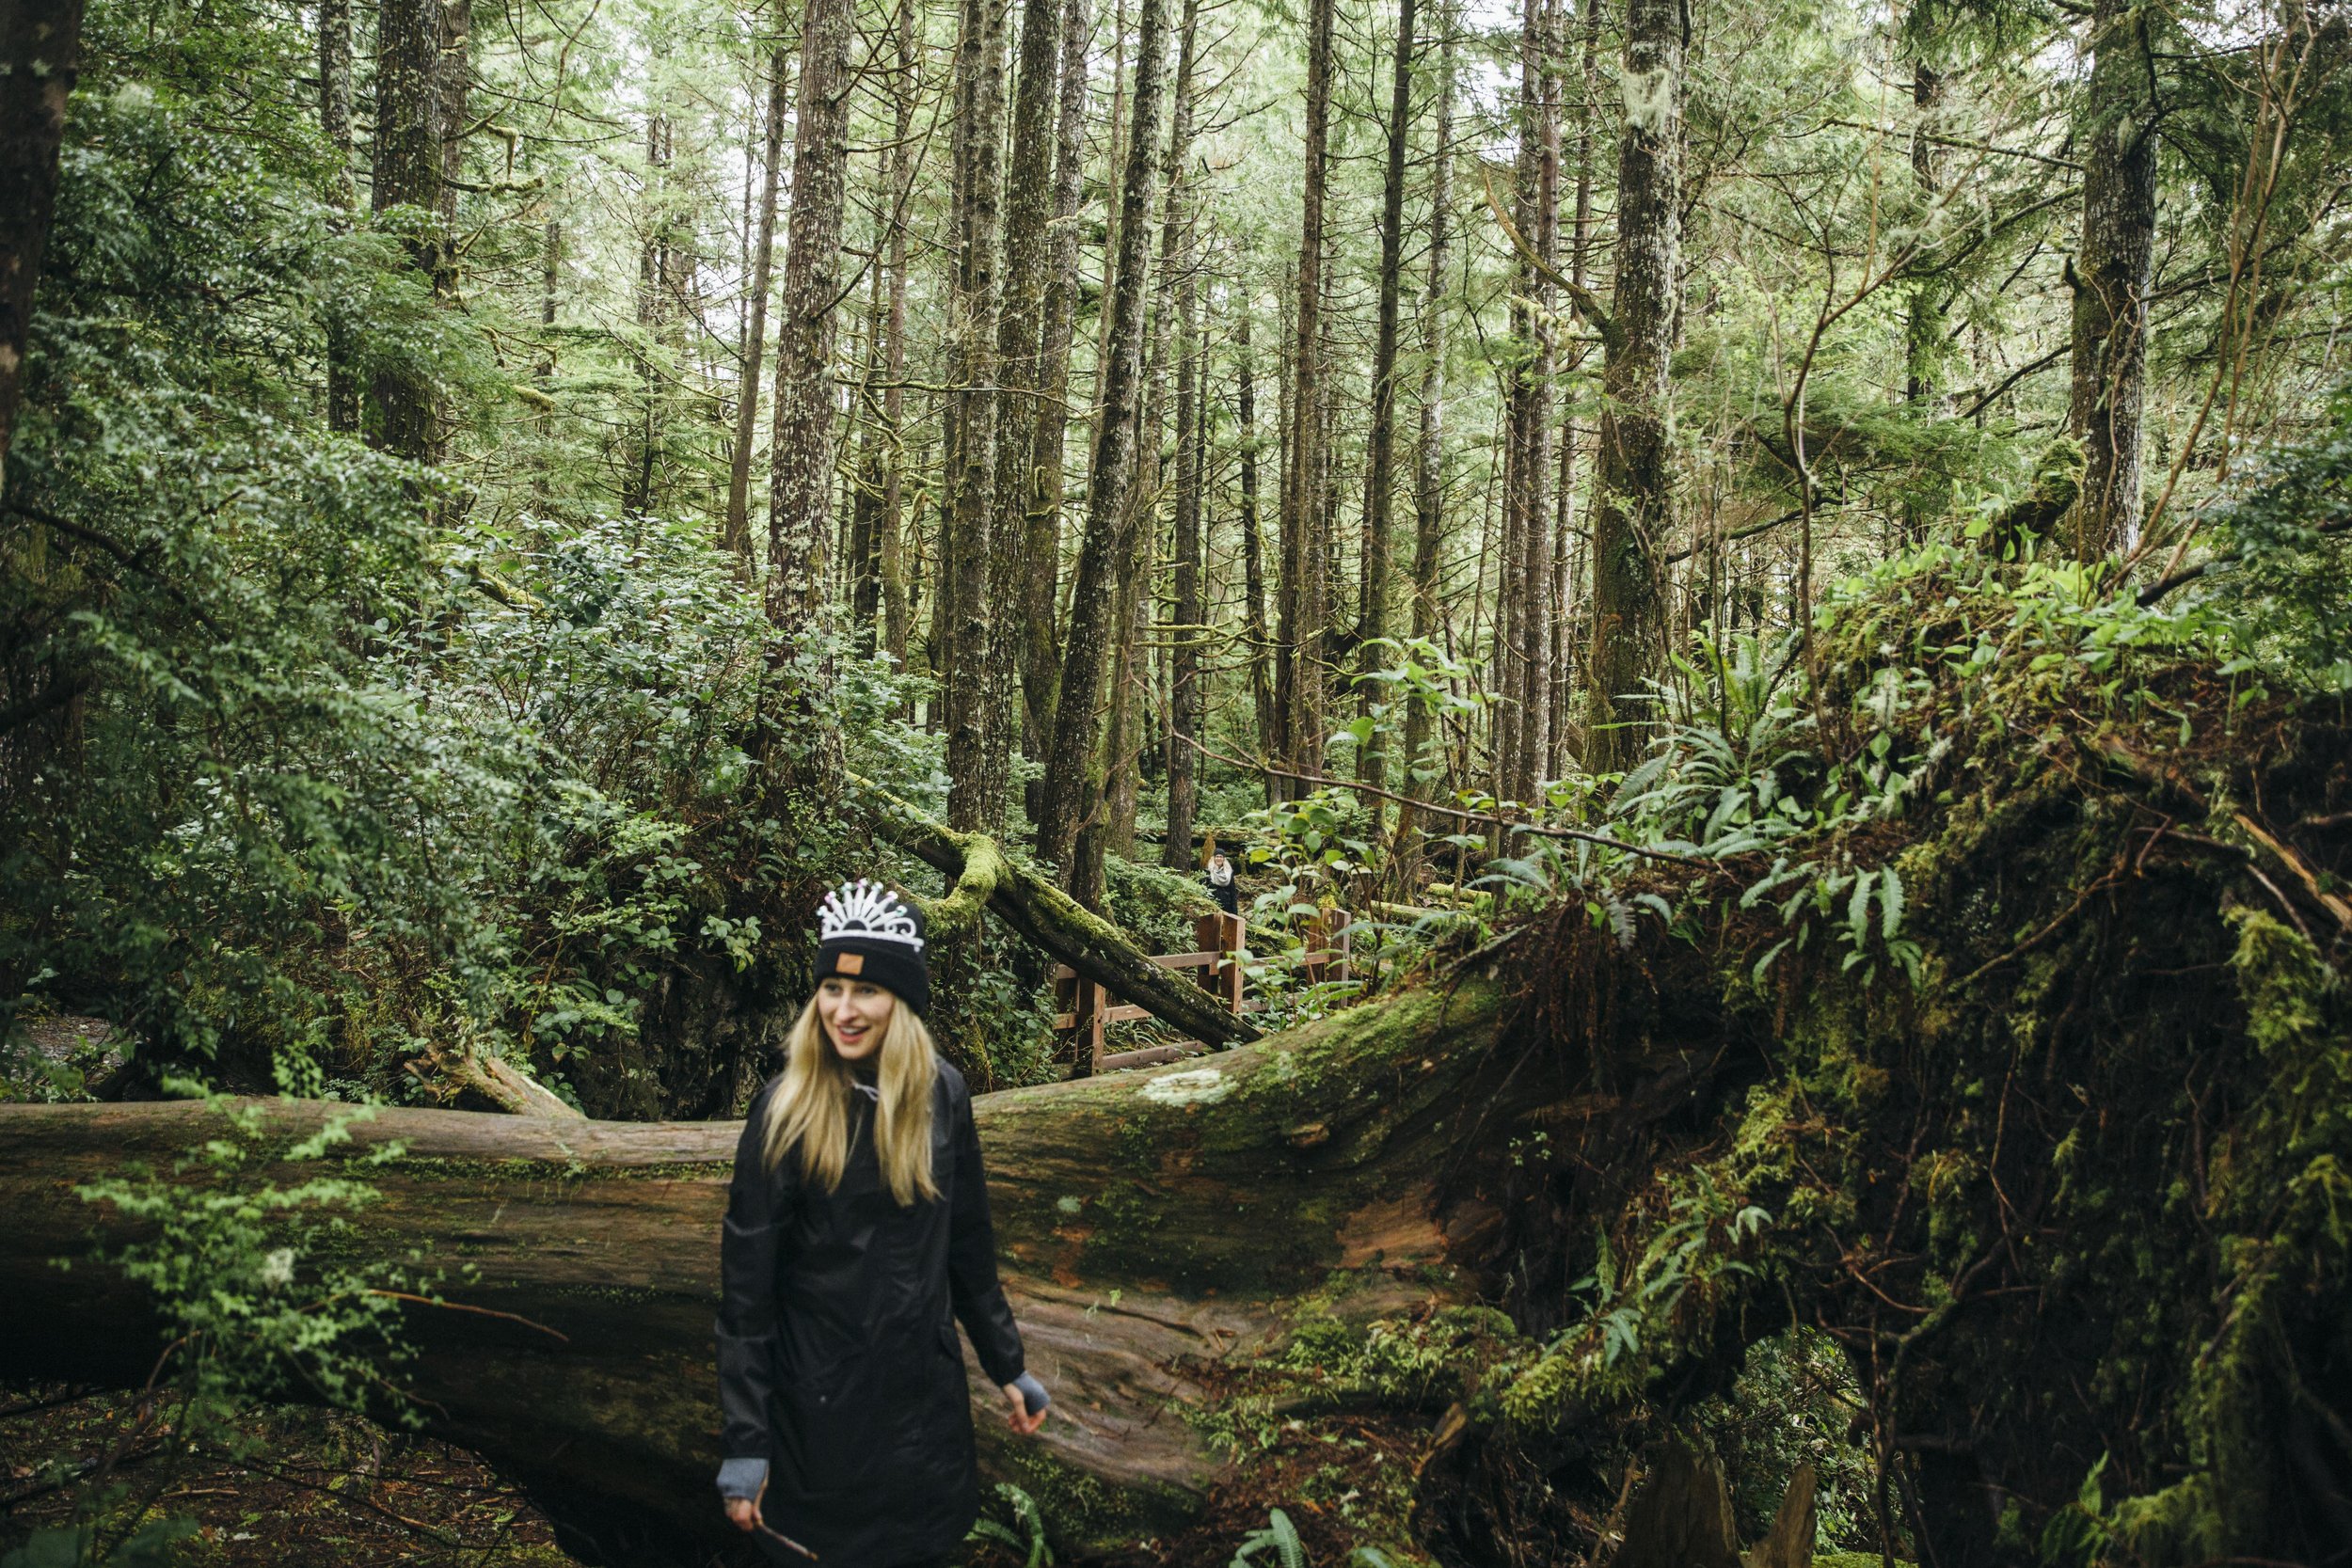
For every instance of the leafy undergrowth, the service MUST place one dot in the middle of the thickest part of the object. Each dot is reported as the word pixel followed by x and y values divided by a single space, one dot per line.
pixel 329 1487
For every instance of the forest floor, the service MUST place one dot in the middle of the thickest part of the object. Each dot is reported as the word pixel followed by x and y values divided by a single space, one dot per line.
pixel 316 1488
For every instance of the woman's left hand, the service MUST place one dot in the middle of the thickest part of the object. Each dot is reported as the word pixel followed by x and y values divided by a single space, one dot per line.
pixel 1020 1419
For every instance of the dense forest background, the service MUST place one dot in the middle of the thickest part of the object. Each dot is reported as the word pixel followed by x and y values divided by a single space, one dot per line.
pixel 505 502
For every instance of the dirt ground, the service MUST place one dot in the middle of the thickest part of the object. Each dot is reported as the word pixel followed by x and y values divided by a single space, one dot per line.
pixel 316 1488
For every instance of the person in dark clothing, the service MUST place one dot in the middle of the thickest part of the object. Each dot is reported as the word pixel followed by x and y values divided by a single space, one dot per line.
pixel 857 1236
pixel 1221 885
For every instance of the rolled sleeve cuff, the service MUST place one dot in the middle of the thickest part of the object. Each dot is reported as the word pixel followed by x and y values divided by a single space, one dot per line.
pixel 742 1477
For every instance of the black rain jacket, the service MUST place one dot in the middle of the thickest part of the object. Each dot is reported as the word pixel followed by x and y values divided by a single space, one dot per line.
pixel 837 1357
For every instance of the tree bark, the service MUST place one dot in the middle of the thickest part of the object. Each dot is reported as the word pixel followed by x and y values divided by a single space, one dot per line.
pixel 889 548
pixel 41 49
pixel 737 533
pixel 411 171
pixel 1429 443
pixel 1184 639
pixel 1534 389
pixel 1305 586
pixel 1029 212
pixel 800 491
pixel 653 315
pixel 1110 515
pixel 975 781
pixel 2118 135
pixel 1923 324
pixel 1261 695
pixel 1371 766
pixel 1268 1169
pixel 343 386
pixel 1040 672
pixel 1630 510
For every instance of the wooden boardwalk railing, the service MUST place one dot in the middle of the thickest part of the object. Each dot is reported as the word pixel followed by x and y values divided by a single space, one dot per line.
pixel 1083 1007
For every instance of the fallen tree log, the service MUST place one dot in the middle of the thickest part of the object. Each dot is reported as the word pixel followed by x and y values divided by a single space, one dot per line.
pixel 981 874
pixel 1156 1228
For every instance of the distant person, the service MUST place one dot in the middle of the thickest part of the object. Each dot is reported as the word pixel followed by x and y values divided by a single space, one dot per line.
pixel 1221 888
pixel 857 1236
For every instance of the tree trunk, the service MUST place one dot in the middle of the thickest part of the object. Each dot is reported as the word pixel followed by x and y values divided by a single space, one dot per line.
pixel 737 533
pixel 975 784
pixel 800 491
pixel 410 170
pixel 1565 690
pixel 1923 325
pixel 1523 626
pixel 343 386
pixel 1110 515
pixel 1631 511
pixel 1305 601
pixel 2118 135
pixel 1040 673
pixel 1371 766
pixel 1429 445
pixel 653 311
pixel 1184 639
pixel 1262 696
pixel 40 57
pixel 1029 212
pixel 890 550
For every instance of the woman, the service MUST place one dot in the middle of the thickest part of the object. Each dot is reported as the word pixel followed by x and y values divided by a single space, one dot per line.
pixel 856 1223
pixel 1221 887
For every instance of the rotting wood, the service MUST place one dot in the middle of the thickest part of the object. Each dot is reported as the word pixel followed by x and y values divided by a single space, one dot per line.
pixel 500 1082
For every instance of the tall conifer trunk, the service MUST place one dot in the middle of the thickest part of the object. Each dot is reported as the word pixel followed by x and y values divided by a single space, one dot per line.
pixel 737 535
pixel 2116 134
pixel 1111 518
pixel 1533 409
pixel 410 171
pixel 1429 443
pixel 1380 444
pixel 1041 669
pixel 343 386
pixel 1028 210
pixel 40 48
pixel 891 466
pixel 1262 692
pixel 1305 603
pixel 1630 509
pixel 800 490
pixel 975 785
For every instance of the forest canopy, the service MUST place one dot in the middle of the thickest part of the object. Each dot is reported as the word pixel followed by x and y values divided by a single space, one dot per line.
pixel 502 505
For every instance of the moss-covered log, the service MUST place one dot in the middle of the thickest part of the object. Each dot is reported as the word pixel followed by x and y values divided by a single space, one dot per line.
pixel 982 874
pixel 1156 1227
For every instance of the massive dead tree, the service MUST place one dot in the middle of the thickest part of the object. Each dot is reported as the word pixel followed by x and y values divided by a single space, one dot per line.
pixel 1153 1227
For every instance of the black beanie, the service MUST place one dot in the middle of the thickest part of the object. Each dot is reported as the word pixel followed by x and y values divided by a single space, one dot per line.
pixel 867 932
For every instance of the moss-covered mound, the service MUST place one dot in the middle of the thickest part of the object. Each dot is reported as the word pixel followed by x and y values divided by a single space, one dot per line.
pixel 2006 977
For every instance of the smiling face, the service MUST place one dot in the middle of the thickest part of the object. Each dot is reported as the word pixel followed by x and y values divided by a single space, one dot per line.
pixel 855 1013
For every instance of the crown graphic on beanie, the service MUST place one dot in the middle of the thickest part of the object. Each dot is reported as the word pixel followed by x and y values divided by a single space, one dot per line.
pixel 870 911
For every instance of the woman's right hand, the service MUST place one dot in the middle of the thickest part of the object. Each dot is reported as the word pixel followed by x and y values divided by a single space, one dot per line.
pixel 743 1512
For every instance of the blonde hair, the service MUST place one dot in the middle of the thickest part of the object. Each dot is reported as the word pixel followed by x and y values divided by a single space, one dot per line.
pixel 810 1108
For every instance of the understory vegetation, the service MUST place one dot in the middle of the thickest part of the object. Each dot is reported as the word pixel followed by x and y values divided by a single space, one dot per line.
pixel 1802 556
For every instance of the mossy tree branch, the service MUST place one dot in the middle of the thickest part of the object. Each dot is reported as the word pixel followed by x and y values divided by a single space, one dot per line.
pixel 1044 914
